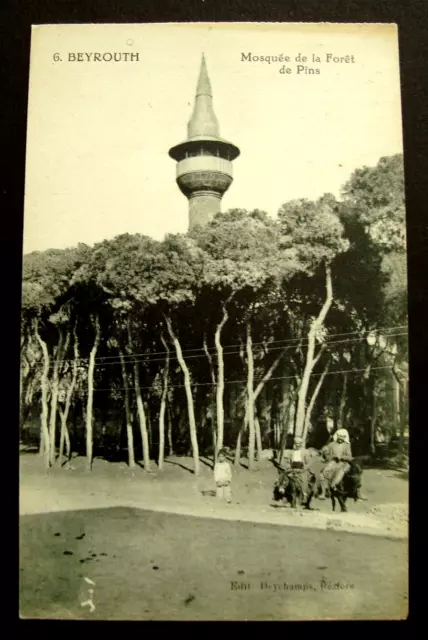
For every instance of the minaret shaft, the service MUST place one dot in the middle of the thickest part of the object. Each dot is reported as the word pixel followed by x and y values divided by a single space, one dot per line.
pixel 203 207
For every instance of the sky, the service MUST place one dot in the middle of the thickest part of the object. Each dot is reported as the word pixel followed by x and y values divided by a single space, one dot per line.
pixel 98 133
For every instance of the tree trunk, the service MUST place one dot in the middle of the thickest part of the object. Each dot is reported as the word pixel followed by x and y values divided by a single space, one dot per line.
pixel 141 417
pixel 67 444
pixel 170 444
pixel 44 440
pixel 250 396
pixel 220 377
pixel 311 359
pixel 285 428
pixel 283 406
pixel 399 388
pixel 90 400
pixel 24 372
pixel 140 405
pixel 128 417
pixel 54 398
pixel 342 401
pixel 396 402
pixel 373 421
pixel 24 363
pixel 213 436
pixel 32 381
pixel 238 448
pixel 402 420
pixel 187 386
pixel 312 403
pixel 149 426
pixel 163 406
pixel 277 434
pixel 63 439
pixel 258 438
pixel 260 387
pixel 64 414
pixel 211 396
pixel 274 420
pixel 27 398
pixel 242 428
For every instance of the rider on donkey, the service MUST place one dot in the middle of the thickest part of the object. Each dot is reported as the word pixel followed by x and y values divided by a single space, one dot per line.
pixel 299 458
pixel 338 455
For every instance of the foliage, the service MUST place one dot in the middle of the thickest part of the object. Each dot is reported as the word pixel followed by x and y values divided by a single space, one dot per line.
pixel 242 267
pixel 378 193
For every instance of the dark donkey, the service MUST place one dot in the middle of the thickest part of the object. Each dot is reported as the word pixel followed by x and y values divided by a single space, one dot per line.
pixel 289 488
pixel 347 488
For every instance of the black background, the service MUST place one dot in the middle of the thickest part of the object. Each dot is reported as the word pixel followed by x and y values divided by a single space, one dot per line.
pixel 16 18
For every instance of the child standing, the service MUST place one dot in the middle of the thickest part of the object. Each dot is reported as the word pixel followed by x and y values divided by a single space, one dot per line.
pixel 223 477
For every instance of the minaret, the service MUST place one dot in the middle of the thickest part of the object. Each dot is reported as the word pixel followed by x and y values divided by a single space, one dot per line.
pixel 204 160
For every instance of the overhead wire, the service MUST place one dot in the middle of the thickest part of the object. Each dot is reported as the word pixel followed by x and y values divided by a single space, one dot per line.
pixel 133 359
pixel 244 381
pixel 297 342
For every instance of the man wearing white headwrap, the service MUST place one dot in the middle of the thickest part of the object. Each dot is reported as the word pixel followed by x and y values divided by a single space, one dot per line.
pixel 338 454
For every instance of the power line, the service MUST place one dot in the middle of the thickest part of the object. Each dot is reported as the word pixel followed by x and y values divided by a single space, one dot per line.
pixel 228 353
pixel 296 342
pixel 148 359
pixel 210 384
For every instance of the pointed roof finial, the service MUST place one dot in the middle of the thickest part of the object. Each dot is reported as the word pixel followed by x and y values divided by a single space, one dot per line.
pixel 204 85
pixel 203 121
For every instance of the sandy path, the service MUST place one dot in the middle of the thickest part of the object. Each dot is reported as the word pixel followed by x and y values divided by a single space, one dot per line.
pixel 64 491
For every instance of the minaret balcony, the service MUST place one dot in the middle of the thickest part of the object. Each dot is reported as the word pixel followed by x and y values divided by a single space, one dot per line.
pixel 204 163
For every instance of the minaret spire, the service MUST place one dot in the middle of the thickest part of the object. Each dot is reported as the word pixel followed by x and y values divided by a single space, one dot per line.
pixel 203 121
pixel 204 84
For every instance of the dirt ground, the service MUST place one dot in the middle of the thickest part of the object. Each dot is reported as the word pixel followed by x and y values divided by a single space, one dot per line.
pixel 143 565
pixel 177 490
pixel 135 535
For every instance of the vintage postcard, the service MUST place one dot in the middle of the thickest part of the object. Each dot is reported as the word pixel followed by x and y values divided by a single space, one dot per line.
pixel 214 365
